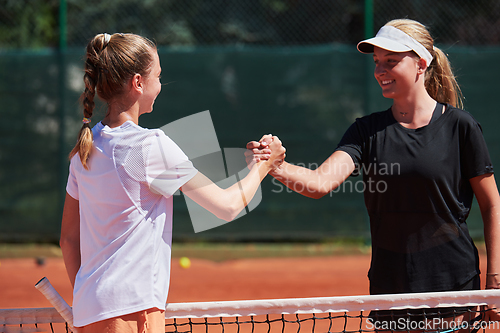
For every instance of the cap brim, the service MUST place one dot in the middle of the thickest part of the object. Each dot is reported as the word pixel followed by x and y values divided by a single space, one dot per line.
pixel 368 45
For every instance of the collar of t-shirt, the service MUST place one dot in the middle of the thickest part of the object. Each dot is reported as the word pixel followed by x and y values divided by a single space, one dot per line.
pixel 438 111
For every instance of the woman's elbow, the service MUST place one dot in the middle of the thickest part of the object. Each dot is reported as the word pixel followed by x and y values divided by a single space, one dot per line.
pixel 228 208
pixel 64 244
pixel 316 192
pixel 227 217
pixel 68 243
pixel 229 213
pixel 314 189
pixel 317 195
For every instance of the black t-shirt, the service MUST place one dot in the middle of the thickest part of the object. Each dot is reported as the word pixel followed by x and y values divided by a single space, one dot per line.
pixel 418 196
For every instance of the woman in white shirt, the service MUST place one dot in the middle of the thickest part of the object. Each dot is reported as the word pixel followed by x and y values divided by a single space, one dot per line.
pixel 117 222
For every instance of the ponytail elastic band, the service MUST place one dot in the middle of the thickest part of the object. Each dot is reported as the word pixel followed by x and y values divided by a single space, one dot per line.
pixel 86 120
pixel 107 38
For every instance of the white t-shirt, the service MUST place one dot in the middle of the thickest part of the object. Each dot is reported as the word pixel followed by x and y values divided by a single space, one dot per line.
pixel 125 220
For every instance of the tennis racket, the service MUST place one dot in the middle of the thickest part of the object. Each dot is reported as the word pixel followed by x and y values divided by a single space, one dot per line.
pixel 56 300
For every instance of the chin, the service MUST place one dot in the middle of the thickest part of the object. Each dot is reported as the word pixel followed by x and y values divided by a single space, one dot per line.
pixel 388 94
pixel 146 112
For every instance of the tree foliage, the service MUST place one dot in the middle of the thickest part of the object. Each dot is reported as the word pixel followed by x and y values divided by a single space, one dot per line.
pixel 35 23
pixel 28 23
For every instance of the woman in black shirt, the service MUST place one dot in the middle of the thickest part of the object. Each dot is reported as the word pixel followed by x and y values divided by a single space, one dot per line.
pixel 422 162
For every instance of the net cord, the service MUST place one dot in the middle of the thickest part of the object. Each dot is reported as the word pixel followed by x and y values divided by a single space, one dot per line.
pixel 331 304
pixel 284 306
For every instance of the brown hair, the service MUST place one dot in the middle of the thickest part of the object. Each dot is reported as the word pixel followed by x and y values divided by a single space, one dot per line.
pixel 440 82
pixel 111 61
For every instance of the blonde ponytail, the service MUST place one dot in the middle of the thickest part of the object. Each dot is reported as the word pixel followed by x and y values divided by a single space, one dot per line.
pixel 441 83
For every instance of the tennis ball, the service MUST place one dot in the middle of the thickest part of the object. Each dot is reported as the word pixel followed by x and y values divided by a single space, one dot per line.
pixel 40 261
pixel 185 262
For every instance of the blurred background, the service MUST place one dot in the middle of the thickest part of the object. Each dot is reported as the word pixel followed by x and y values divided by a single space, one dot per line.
pixel 287 67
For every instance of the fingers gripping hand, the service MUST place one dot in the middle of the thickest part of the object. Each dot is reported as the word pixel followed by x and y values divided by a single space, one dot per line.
pixel 266 140
pixel 258 151
pixel 277 153
pixel 492 313
pixel 492 282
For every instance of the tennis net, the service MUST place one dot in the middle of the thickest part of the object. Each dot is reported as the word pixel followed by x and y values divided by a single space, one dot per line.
pixel 465 311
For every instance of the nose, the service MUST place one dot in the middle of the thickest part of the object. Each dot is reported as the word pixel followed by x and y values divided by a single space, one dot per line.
pixel 379 69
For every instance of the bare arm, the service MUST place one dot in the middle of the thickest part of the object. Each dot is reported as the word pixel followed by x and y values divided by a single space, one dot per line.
pixel 70 237
pixel 311 183
pixel 487 196
pixel 228 203
pixel 319 182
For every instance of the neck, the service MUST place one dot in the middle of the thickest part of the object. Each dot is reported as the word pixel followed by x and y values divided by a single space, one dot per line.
pixel 118 114
pixel 414 113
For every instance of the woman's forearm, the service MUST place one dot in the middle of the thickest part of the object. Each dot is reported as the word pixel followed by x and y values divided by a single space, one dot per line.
pixel 488 199
pixel 228 203
pixel 491 221
pixel 72 260
pixel 319 182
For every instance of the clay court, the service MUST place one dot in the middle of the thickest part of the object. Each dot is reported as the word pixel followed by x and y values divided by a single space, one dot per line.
pixel 287 275
pixel 208 280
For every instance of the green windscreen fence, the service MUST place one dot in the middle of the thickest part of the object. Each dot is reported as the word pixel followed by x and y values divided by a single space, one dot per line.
pixel 306 95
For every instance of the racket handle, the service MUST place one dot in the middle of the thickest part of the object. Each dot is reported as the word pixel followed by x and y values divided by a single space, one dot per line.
pixel 56 300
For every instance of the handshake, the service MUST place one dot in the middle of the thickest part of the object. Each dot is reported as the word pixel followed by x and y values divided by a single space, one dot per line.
pixel 268 149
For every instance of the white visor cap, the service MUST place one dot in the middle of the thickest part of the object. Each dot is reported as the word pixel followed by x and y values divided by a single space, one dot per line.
pixel 392 39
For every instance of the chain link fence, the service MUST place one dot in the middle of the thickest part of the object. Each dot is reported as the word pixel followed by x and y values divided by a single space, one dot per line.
pixel 38 23
pixel 307 86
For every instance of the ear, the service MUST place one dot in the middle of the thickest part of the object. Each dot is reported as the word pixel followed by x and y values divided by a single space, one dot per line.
pixel 422 65
pixel 137 82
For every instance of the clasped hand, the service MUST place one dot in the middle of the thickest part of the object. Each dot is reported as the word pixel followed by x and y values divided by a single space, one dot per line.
pixel 268 148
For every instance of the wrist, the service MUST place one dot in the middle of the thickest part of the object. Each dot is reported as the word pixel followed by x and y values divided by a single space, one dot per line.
pixel 276 171
pixel 264 167
pixel 492 281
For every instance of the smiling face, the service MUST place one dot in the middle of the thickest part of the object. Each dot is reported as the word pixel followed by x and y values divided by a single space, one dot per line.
pixel 396 72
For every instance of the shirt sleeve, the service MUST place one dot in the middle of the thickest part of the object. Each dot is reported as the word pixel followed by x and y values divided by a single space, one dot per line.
pixel 167 167
pixel 475 157
pixel 353 143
